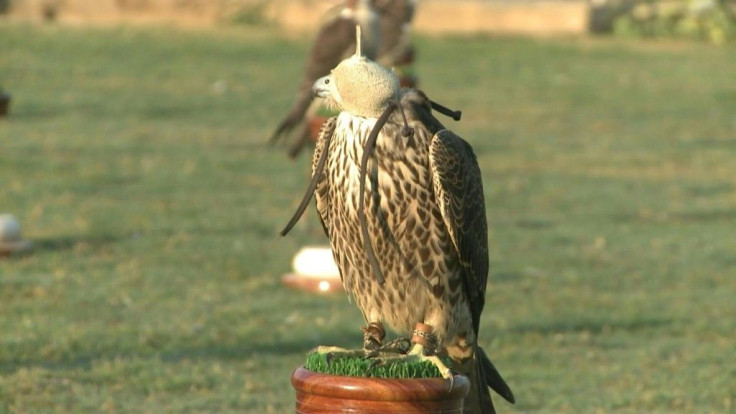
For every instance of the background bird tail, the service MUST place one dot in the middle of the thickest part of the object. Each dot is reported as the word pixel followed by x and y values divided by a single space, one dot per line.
pixel 297 112
pixel 473 362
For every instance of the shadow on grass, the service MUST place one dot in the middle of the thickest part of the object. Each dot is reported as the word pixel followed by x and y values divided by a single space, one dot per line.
pixel 297 345
pixel 712 215
pixel 534 223
pixel 594 326
pixel 85 358
pixel 692 216
pixel 95 108
pixel 33 111
pixel 69 242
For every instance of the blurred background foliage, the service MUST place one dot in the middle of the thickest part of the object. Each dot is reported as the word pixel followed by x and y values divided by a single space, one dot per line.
pixel 712 21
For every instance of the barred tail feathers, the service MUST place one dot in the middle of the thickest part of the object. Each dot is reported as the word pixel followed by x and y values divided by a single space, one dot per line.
pixel 473 362
pixel 465 361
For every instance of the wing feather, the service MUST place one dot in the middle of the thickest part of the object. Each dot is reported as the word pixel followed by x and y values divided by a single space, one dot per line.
pixel 321 191
pixel 333 42
pixel 459 192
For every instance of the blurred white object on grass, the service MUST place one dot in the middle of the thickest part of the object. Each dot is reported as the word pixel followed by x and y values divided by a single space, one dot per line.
pixel 314 270
pixel 10 237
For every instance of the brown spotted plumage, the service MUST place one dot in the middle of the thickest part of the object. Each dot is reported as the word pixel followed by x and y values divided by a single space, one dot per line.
pixel 426 215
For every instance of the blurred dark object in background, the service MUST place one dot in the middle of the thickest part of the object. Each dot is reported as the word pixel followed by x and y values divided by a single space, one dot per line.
pixel 5 97
pixel 604 12
pixel 50 10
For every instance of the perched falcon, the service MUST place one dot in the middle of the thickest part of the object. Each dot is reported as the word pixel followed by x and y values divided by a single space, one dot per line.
pixel 400 198
pixel 385 25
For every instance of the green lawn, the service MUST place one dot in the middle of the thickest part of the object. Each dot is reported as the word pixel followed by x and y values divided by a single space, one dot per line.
pixel 135 160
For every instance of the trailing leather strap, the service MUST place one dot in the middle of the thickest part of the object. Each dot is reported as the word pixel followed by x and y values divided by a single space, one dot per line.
pixel 310 190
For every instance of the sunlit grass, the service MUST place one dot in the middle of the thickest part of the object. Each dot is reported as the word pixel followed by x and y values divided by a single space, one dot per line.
pixel 135 160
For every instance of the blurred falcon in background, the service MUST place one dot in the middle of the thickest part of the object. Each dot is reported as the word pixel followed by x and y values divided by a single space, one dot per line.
pixel 385 36
pixel 401 200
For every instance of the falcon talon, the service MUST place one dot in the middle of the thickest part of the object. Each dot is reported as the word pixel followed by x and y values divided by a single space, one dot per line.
pixel 371 355
pixel 451 379
pixel 370 349
pixel 375 363
pixel 328 358
pixel 397 346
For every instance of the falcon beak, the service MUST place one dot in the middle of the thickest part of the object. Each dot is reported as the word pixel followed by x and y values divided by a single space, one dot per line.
pixel 321 87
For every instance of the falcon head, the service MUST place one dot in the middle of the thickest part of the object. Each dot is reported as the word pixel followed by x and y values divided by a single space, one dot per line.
pixel 358 85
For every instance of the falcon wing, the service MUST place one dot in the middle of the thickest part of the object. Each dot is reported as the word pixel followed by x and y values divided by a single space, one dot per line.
pixel 321 190
pixel 459 193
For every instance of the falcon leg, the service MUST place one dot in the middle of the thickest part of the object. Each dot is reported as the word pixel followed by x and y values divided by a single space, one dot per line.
pixel 423 336
pixel 424 348
pixel 333 351
pixel 396 346
pixel 373 336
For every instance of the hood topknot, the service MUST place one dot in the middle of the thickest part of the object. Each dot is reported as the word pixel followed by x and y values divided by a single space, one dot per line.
pixel 365 88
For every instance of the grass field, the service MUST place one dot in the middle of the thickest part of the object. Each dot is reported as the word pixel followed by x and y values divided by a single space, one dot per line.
pixel 135 160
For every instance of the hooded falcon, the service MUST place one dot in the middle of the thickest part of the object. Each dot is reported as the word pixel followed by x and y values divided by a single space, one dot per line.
pixel 401 200
pixel 385 25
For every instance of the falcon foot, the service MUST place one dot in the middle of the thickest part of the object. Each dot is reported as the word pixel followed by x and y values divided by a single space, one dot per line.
pixel 331 352
pixel 416 354
pixel 421 347
pixel 373 346
pixel 373 335
pixel 396 346
pixel 424 348
pixel 378 356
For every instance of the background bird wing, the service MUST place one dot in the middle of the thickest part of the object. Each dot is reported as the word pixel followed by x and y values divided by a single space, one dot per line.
pixel 335 40
pixel 394 21
pixel 459 192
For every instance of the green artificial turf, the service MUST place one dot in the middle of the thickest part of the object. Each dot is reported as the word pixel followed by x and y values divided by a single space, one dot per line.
pixel 362 367
pixel 135 160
